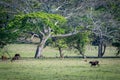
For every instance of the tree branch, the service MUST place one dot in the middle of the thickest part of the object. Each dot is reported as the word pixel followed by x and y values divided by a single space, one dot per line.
pixel 68 34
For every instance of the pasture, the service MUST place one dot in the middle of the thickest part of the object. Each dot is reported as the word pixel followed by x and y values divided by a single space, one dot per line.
pixel 52 68
pixel 28 50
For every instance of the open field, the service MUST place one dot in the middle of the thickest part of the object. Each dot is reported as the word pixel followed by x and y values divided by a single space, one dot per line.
pixel 56 68
pixel 59 69
pixel 28 50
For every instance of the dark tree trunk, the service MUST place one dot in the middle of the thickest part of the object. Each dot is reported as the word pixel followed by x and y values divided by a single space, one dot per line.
pixel 118 51
pixel 60 51
pixel 104 48
pixel 80 49
pixel 81 52
pixel 101 49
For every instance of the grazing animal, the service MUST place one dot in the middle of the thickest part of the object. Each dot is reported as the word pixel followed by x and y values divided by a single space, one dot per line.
pixel 94 63
pixel 16 57
pixel 4 58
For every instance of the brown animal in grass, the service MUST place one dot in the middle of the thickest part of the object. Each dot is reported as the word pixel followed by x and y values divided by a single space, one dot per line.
pixel 16 57
pixel 4 58
pixel 94 63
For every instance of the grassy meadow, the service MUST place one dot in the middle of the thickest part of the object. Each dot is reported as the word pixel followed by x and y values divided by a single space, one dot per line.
pixel 56 68
pixel 28 50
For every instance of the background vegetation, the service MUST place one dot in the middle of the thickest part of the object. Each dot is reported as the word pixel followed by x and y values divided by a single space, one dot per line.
pixel 53 37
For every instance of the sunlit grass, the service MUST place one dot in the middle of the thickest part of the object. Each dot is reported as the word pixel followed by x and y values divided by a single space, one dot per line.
pixel 53 68
pixel 28 50
pixel 59 69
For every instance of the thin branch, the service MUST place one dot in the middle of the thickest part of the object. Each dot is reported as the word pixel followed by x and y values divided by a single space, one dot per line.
pixel 58 7
pixel 34 35
pixel 68 34
pixel 56 22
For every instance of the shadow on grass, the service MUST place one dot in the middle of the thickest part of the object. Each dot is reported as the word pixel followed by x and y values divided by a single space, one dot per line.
pixel 91 57
pixel 71 57
pixel 25 58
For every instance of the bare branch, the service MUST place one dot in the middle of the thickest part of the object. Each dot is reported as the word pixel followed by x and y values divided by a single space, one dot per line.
pixel 58 7
pixel 34 35
pixel 56 22
pixel 69 34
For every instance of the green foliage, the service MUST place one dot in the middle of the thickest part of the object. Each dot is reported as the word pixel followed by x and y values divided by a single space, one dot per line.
pixel 7 36
pixel 79 41
pixel 39 19
pixel 49 19
pixel 60 43
pixel 7 33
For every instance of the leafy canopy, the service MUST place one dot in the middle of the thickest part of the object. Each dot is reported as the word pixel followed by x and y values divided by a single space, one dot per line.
pixel 46 19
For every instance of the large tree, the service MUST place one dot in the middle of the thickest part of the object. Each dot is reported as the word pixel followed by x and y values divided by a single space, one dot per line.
pixel 104 23
pixel 47 6
pixel 78 42
pixel 41 24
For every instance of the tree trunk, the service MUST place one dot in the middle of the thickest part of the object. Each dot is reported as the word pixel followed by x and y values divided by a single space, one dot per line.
pixel 82 54
pixel 80 49
pixel 104 46
pixel 118 51
pixel 101 49
pixel 41 46
pixel 39 50
pixel 60 51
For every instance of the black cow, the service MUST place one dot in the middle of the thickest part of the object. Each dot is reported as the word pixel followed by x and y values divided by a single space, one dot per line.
pixel 94 63
pixel 16 57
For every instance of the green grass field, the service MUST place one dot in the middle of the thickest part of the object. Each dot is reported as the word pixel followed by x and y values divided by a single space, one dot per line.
pixel 57 68
pixel 28 50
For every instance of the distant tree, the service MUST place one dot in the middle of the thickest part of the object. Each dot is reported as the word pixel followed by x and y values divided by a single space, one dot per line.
pixel 79 41
pixel 104 23
pixel 117 44
pixel 60 43
pixel 114 9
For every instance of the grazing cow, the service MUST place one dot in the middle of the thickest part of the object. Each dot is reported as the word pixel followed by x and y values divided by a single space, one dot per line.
pixel 16 57
pixel 94 63
pixel 4 58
